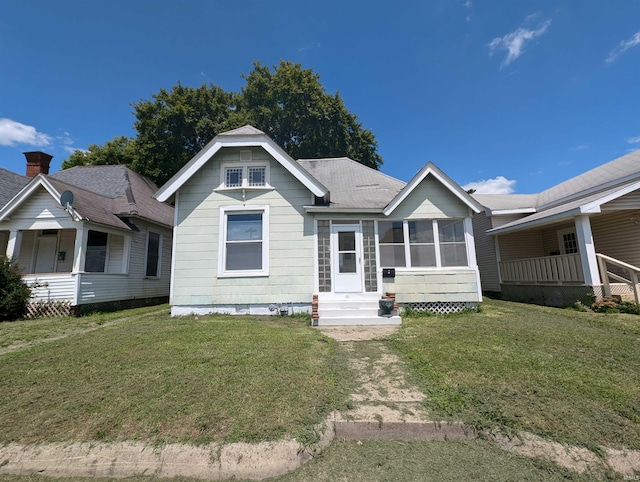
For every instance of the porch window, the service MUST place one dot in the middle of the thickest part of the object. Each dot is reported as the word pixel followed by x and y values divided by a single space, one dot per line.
pixel 392 249
pixel 453 250
pixel 154 243
pixel 244 245
pixel 568 241
pixel 96 252
pixel 424 243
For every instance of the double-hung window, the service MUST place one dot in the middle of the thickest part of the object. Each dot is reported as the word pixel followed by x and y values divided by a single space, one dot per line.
pixel 422 243
pixel 244 241
pixel 154 246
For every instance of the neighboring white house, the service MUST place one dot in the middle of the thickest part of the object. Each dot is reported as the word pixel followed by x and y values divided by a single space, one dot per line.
pixel 258 232
pixel 574 241
pixel 89 235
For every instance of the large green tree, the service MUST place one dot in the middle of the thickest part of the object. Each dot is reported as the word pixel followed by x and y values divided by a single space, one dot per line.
pixel 291 106
pixel 287 102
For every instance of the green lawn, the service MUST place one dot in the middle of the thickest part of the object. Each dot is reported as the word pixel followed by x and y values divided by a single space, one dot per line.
pixel 561 374
pixel 184 379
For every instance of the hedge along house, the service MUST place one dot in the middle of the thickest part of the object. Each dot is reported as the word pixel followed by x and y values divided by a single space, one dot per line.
pixel 574 241
pixel 89 236
pixel 258 232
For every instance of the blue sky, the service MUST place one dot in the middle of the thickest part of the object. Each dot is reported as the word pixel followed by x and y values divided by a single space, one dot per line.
pixel 517 94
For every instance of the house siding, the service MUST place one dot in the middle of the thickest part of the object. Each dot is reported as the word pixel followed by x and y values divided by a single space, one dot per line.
pixel 486 253
pixel 116 286
pixel 40 205
pixel 520 245
pixel 290 232
pixel 443 285
pixel 431 200
pixel 615 235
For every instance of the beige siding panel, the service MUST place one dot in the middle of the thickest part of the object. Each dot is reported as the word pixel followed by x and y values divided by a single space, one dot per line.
pixel 550 237
pixel 431 200
pixel 616 235
pixel 41 205
pixel 499 221
pixel 485 253
pixel 521 244
pixel 628 201
pixel 434 286
pixel 291 276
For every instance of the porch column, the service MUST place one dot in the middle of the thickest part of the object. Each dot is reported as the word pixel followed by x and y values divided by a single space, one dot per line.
pixel 80 249
pixel 587 251
pixel 13 245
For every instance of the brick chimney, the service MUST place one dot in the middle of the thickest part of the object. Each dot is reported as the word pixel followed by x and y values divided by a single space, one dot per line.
pixel 37 163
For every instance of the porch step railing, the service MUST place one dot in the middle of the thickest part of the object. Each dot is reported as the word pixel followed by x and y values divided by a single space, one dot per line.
pixel 559 269
pixel 628 269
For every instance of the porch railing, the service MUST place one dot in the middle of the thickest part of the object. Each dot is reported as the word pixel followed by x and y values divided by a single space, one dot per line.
pixel 606 275
pixel 565 268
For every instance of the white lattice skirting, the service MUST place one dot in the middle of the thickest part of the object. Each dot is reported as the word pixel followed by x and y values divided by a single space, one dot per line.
pixel 443 307
pixel 48 309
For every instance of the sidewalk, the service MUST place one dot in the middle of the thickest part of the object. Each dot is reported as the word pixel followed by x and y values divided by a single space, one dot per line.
pixel 385 404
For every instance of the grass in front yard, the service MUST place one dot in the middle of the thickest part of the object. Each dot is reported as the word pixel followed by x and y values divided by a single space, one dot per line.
pixel 24 332
pixel 184 379
pixel 567 375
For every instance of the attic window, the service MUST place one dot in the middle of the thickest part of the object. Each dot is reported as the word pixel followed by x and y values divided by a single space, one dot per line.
pixel 240 175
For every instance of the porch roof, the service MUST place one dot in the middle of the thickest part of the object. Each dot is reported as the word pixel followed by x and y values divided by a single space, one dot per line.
pixel 101 194
pixel 585 205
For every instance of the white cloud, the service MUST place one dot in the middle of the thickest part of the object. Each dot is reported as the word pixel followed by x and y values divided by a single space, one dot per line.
pixel 633 140
pixel 12 133
pixel 580 147
pixel 313 45
pixel 514 42
pixel 467 4
pixel 497 185
pixel 624 45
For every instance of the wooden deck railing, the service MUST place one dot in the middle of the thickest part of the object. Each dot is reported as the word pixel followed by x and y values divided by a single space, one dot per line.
pixel 606 275
pixel 560 269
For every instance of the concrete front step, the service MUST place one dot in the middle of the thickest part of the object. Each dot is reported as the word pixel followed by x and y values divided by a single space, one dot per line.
pixel 358 320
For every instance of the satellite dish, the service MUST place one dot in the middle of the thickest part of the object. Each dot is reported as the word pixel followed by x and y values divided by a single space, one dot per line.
pixel 66 199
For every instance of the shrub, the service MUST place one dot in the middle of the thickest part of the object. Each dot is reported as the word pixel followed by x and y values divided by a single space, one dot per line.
pixel 14 292
pixel 613 305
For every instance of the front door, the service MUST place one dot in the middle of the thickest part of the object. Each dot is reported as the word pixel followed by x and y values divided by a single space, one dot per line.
pixel 46 254
pixel 346 242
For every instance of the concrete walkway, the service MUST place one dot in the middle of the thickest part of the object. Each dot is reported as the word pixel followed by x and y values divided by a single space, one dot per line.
pixel 385 405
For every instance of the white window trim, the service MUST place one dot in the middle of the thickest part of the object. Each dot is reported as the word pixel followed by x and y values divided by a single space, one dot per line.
pixel 561 234
pixel 436 240
pixel 146 255
pixel 222 238
pixel 245 175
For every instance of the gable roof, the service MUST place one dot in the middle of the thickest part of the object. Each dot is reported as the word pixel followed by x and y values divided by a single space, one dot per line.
pixel 582 194
pixel 101 194
pixel 10 184
pixel 430 169
pixel 246 136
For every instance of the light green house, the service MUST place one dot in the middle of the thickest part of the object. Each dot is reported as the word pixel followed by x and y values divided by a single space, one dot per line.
pixel 256 231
